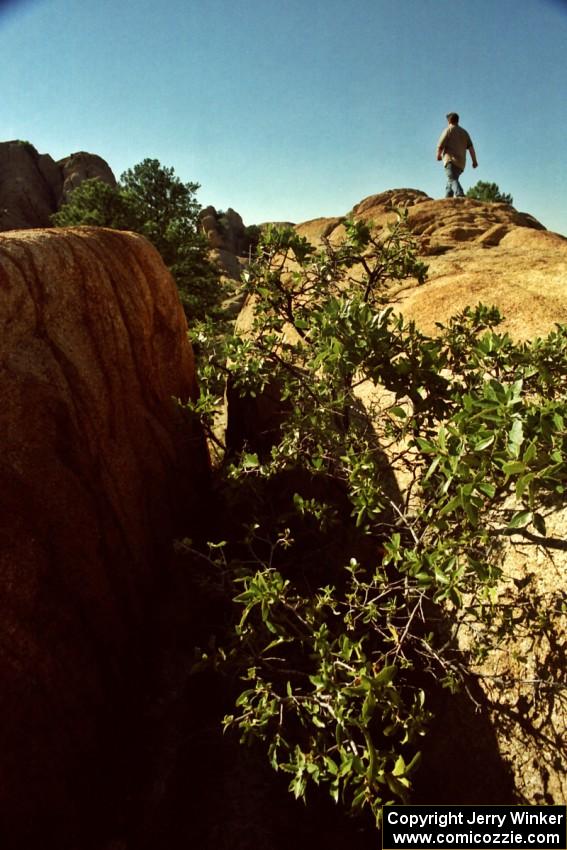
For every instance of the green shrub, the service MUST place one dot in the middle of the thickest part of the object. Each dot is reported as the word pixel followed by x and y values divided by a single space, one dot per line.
pixel 489 192
pixel 349 595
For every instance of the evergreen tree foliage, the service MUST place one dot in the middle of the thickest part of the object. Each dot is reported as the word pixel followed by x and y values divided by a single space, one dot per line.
pixel 150 199
pixel 489 192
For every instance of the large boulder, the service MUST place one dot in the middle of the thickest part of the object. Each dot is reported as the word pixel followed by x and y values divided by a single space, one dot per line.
pixel 228 242
pixel 33 186
pixel 438 225
pixel 30 186
pixel 83 166
pixel 224 231
pixel 442 225
pixel 98 461
pixel 475 252
pixel 524 275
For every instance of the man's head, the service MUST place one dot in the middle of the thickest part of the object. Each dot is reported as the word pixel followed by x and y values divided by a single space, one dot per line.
pixel 452 118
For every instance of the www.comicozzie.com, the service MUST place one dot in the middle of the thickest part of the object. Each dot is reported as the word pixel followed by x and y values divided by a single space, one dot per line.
pixel 474 826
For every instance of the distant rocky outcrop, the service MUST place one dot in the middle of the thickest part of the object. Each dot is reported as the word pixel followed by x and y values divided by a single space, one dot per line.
pixel 228 240
pixel 97 464
pixel 224 230
pixel 33 186
pixel 83 166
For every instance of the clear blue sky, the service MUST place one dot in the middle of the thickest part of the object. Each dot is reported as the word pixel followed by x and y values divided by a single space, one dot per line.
pixel 294 109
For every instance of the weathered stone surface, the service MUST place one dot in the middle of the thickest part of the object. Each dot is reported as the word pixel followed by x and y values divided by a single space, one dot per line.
pixel 319 228
pixel 475 252
pixel 83 166
pixel 523 680
pixel 30 186
pixel 235 232
pixel 225 231
pixel 524 275
pixel 227 262
pixel 439 225
pixel 33 186
pixel 96 461
pixel 210 227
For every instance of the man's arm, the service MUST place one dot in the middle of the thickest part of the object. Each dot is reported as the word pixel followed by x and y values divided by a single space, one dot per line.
pixel 441 145
pixel 473 156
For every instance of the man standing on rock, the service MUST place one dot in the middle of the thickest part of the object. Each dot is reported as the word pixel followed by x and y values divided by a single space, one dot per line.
pixel 452 149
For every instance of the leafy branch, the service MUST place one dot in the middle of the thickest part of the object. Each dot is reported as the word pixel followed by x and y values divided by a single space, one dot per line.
pixel 361 585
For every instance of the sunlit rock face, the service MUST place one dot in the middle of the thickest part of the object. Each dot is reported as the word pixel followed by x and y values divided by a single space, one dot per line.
pixel 97 465
pixel 476 252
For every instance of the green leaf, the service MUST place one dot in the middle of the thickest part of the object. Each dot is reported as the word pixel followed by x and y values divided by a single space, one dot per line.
pixel 530 453
pixel 414 764
pixel 484 444
pixel 359 799
pixel 423 578
pixel 432 468
pixel 250 461
pixel 523 483
pixel 385 676
pixel 368 707
pixel 398 786
pixel 330 765
pixel 520 520
pixel 451 505
pixel 399 412
pixel 399 767
pixel 297 787
pixel 516 438
pixel 426 445
pixel 513 467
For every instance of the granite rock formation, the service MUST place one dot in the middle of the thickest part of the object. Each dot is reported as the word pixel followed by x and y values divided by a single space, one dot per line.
pixel 83 166
pixel 33 186
pixel 98 461
pixel 439 225
pixel 224 231
pixel 228 242
pixel 475 252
